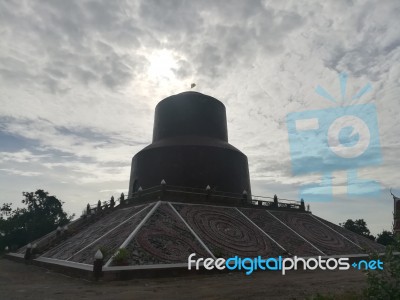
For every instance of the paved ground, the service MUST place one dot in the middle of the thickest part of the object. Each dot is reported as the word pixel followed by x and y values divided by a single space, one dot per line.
pixel 19 281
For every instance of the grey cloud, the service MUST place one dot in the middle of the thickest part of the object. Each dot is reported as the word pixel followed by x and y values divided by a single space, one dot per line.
pixel 84 75
pixel 208 61
pixel 20 173
pixel 233 31
pixel 82 41
pixel 55 73
pixel 363 43
pixel 68 34
pixel 172 17
pixel 183 69
pixel 236 10
pixel 54 86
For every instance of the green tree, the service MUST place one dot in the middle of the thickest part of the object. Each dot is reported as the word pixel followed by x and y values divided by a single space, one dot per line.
pixel 385 238
pixel 385 284
pixel 42 214
pixel 358 226
pixel 5 209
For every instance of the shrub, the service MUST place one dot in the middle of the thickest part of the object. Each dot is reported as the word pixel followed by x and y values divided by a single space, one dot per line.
pixel 121 257
pixel 385 284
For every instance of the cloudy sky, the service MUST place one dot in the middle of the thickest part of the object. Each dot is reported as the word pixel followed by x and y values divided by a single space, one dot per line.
pixel 79 81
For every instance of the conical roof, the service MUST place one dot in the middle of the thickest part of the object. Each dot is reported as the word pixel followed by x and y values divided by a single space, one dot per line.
pixel 165 233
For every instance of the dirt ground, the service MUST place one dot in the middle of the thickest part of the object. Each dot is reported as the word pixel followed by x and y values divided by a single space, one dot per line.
pixel 19 281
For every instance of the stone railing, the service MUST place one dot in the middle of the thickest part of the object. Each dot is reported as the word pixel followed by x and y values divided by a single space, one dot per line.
pixel 197 195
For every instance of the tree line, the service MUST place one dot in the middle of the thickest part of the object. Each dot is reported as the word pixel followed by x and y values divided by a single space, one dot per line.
pixel 359 226
pixel 41 214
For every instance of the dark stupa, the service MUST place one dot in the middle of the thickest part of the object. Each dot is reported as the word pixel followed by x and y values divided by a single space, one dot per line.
pixel 186 196
pixel 190 148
